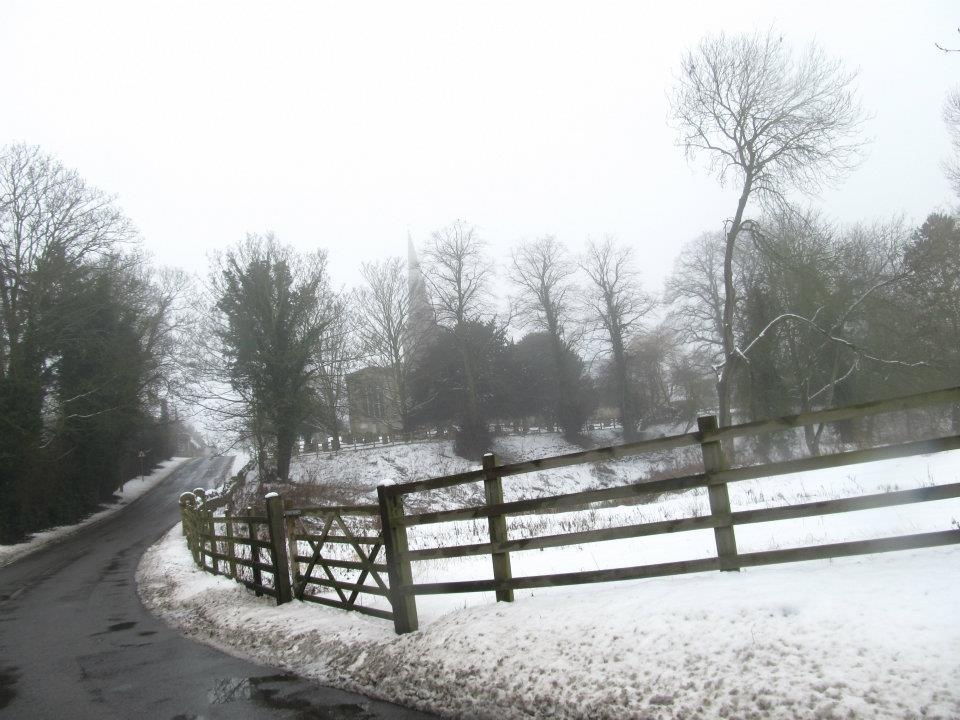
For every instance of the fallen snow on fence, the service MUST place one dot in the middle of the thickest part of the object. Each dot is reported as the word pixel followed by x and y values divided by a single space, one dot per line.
pixel 874 636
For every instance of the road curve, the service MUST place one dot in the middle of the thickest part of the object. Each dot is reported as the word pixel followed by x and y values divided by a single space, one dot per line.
pixel 75 642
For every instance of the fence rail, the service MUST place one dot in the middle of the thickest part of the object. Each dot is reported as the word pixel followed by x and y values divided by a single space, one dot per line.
pixel 344 525
pixel 715 478
pixel 230 550
pixel 313 550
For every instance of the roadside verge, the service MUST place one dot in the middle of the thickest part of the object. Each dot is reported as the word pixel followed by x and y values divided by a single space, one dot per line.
pixel 865 637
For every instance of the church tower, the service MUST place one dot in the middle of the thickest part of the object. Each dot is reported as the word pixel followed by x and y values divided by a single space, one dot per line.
pixel 422 325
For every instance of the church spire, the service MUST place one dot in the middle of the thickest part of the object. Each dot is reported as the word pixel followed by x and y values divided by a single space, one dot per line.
pixel 422 323
pixel 413 267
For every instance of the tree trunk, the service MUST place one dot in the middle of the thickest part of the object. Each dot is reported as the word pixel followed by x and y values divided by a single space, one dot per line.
pixel 812 438
pixel 335 432
pixel 566 398
pixel 628 416
pixel 725 381
pixel 471 438
pixel 285 440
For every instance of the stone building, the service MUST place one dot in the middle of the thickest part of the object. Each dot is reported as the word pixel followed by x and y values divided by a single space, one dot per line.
pixel 371 402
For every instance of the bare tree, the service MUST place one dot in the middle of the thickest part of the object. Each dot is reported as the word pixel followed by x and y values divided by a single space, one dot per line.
pixel 769 121
pixel 616 305
pixel 694 294
pixel 335 356
pixel 388 333
pixel 951 116
pixel 49 217
pixel 815 309
pixel 544 274
pixel 457 276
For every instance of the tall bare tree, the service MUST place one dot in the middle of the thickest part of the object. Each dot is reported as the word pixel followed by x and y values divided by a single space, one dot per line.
pixel 336 354
pixel 544 276
pixel 616 305
pixel 386 331
pixel 769 121
pixel 457 276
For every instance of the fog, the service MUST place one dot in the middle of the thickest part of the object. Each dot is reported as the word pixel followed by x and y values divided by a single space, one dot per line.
pixel 347 127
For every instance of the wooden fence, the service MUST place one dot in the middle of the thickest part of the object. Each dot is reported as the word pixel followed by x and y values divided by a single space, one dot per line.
pixel 294 539
pixel 716 476
pixel 234 545
pixel 294 542
pixel 357 528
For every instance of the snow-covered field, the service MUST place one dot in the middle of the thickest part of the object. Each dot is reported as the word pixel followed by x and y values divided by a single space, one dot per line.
pixel 351 476
pixel 875 636
pixel 132 489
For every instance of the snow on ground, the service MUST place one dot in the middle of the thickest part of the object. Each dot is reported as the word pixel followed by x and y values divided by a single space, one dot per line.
pixel 351 475
pixel 869 637
pixel 365 467
pixel 866 478
pixel 132 489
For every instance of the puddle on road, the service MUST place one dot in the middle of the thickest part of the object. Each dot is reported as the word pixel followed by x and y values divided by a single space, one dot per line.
pixel 8 682
pixel 283 692
pixel 116 627
pixel 120 626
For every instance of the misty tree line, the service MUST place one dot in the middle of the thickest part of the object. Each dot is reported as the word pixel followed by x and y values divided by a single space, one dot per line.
pixel 824 315
pixel 86 346
pixel 778 310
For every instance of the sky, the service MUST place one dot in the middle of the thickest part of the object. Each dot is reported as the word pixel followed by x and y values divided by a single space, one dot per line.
pixel 347 126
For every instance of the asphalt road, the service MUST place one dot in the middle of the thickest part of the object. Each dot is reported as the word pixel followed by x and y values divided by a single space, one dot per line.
pixel 75 642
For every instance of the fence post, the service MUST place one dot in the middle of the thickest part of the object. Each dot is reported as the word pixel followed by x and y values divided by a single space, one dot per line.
pixel 187 503
pixel 290 527
pixel 195 531
pixel 201 496
pixel 497 524
pixel 185 498
pixel 278 548
pixel 254 555
pixel 714 461
pixel 211 529
pixel 231 546
pixel 398 570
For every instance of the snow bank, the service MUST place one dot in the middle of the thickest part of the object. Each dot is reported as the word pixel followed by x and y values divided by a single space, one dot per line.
pixel 875 636
pixel 132 489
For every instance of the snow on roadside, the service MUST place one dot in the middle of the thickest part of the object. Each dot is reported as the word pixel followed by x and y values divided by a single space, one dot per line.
pixel 132 489
pixel 875 636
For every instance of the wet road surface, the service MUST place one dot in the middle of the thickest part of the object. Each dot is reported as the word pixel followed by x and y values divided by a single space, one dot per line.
pixel 75 642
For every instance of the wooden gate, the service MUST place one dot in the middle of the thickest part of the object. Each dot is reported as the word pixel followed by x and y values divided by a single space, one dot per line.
pixel 333 553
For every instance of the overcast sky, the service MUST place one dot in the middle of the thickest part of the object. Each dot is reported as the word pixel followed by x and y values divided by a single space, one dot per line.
pixel 347 125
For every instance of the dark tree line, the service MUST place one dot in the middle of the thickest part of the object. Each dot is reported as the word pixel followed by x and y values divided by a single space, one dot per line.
pixel 85 340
